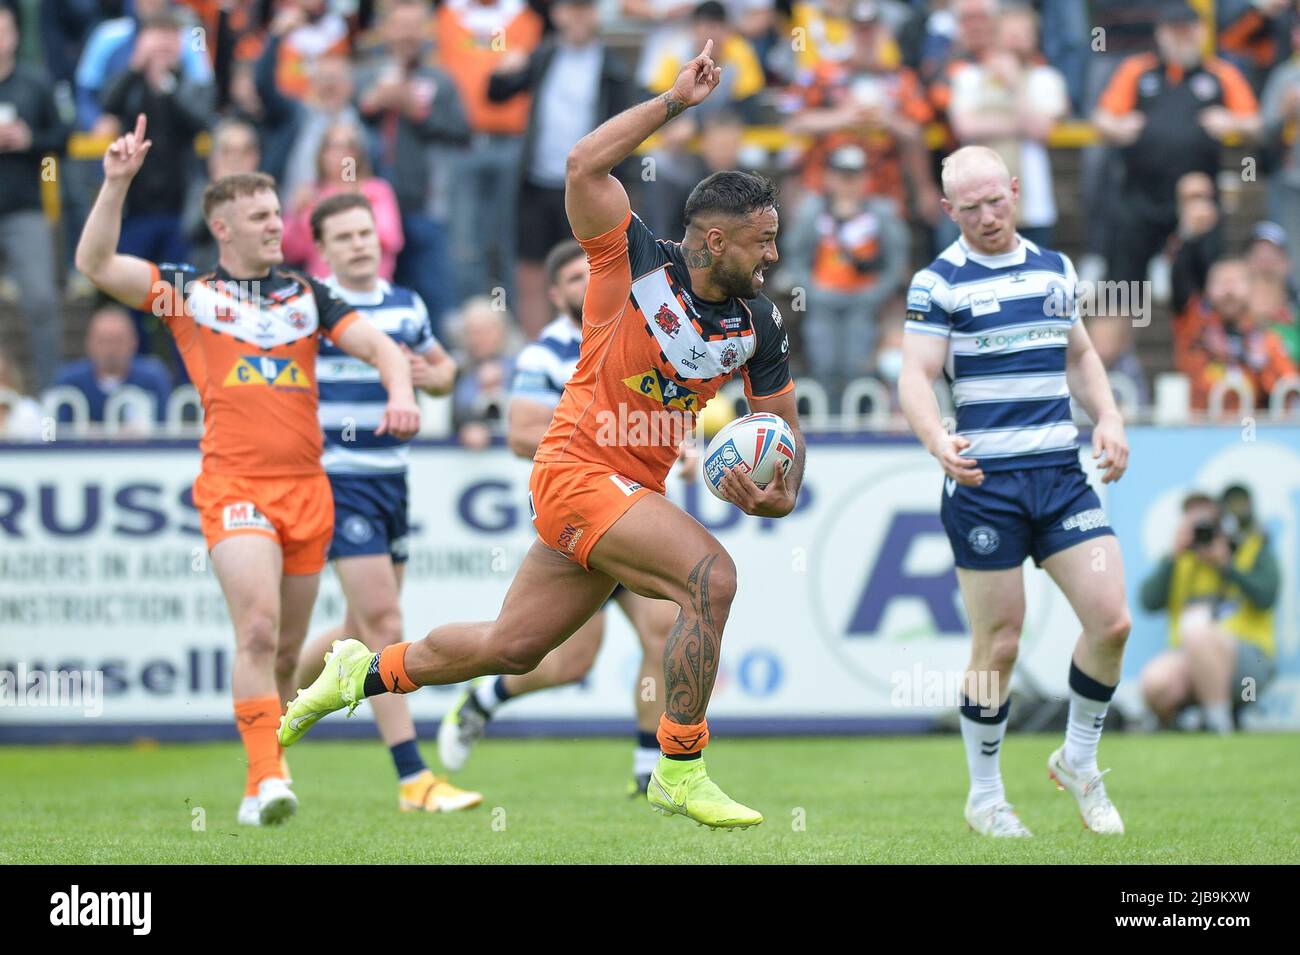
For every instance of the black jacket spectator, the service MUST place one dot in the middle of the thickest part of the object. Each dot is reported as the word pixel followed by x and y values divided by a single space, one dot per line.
pixel 616 93
pixel 176 114
pixel 28 92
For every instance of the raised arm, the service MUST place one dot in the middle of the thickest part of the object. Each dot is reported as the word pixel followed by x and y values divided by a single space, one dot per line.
pixel 595 201
pixel 125 277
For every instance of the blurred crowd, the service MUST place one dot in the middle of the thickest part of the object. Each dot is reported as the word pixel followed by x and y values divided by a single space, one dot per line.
pixel 455 119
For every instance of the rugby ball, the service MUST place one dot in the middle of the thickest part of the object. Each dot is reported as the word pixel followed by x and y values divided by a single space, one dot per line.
pixel 754 443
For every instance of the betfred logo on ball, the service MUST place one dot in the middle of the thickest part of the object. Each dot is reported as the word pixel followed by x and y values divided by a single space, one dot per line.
pixel 753 444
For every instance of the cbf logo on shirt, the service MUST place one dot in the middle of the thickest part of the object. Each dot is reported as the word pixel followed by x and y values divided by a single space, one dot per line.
pixel 263 370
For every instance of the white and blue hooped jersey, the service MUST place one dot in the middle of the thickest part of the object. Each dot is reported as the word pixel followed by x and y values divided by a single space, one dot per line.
pixel 1007 319
pixel 352 397
pixel 544 366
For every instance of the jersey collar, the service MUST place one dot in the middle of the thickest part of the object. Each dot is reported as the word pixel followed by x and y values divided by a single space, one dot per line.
pixel 1005 260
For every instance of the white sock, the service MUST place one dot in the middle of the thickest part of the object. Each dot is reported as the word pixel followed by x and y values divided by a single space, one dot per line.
pixel 486 694
pixel 1218 717
pixel 644 760
pixel 1083 732
pixel 983 738
pixel 1087 716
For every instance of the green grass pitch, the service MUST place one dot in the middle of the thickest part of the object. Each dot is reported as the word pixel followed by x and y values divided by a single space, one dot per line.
pixel 1191 798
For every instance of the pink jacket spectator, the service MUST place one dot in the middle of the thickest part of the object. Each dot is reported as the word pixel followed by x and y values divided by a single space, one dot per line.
pixel 300 250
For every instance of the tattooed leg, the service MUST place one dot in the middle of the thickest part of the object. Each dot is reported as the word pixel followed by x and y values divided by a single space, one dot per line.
pixel 691 653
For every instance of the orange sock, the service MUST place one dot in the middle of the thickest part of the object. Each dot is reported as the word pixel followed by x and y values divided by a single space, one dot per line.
pixel 682 739
pixel 392 669
pixel 258 718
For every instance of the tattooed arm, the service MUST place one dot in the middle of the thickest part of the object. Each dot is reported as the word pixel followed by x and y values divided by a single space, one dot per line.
pixel 595 201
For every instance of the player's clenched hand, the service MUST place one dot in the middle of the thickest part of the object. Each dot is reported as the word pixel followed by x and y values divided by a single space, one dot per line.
pixel 962 470
pixel 775 500
pixel 126 154
pixel 698 78
pixel 1110 446
pixel 401 418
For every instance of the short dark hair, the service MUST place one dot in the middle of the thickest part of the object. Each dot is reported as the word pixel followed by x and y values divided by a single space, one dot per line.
pixel 234 186
pixel 339 202
pixel 1198 499
pixel 561 255
pixel 732 193
pixel 710 11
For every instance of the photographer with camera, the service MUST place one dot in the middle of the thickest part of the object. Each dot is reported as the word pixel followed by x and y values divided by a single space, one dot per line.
pixel 848 251
pixel 1219 587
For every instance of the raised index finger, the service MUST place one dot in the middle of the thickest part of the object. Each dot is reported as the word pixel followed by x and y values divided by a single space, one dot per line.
pixel 140 123
pixel 708 48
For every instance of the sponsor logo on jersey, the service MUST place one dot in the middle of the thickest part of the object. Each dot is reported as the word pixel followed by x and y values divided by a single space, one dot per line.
pixel 732 322
pixel 1044 336
pixel 984 303
pixel 918 299
pixel 1087 520
pixel 729 357
pixel 569 538
pixel 668 321
pixel 264 370
pixel 298 319
pixel 244 515
pixel 776 317
pixel 664 390
pixel 626 485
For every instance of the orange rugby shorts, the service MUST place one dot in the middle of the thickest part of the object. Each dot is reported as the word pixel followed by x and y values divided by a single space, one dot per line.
pixel 573 503
pixel 296 511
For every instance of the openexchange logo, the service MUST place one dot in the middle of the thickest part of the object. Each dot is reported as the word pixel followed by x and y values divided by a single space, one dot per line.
pixel 1014 339
pixel 73 908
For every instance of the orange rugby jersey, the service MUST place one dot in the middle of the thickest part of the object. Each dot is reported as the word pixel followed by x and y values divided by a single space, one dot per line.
pixel 652 356
pixel 250 349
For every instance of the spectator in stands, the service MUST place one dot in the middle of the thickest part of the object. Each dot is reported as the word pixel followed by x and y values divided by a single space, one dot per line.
pixel 176 109
pixel 234 149
pixel 486 362
pixel 926 37
pixel 1121 28
pixel 476 37
pixel 575 84
pixel 666 25
pixel 742 71
pixel 1146 110
pixel 881 108
pixel 1280 109
pixel 1009 101
pixel 1218 587
pixel 29 127
pixel 1269 263
pixel 21 417
pixel 111 50
pixel 416 113
pixel 1218 339
pixel 825 33
pixel 847 252
pixel 342 165
pixel 1112 337
pixel 677 169
pixel 310 31
pixel 1252 35
pixel 112 363
pixel 291 156
pixel 1198 242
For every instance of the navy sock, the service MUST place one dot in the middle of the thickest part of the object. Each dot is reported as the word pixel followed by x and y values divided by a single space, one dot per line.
pixel 407 759
pixel 499 688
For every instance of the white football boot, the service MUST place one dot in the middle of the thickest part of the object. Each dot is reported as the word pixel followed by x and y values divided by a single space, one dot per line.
pixel 460 730
pixel 275 801
pixel 1099 813
pixel 996 819
pixel 248 812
